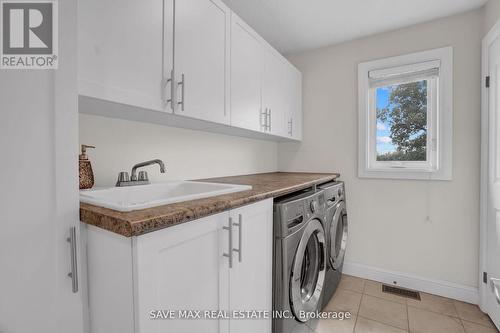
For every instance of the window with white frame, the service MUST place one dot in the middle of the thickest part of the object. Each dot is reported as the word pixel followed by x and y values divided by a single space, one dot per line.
pixel 405 116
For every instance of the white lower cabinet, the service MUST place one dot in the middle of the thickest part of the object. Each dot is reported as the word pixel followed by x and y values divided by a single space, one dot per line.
pixel 250 278
pixel 181 269
pixel 133 280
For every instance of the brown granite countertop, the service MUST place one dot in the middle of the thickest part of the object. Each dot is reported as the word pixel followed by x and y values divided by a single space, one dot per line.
pixel 265 185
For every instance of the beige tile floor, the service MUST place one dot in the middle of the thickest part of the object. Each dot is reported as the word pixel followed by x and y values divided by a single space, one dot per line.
pixel 376 312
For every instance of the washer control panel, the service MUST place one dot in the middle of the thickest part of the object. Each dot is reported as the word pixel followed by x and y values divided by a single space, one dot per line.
pixel 291 213
pixel 334 192
pixel 315 204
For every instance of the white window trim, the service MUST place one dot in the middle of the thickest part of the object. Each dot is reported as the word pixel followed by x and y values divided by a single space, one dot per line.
pixel 442 169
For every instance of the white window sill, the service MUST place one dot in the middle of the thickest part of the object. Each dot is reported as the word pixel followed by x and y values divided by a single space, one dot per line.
pixel 403 173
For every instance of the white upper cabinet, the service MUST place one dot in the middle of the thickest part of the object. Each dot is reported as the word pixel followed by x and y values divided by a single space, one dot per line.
pixel 201 52
pixel 120 51
pixel 274 91
pixel 265 88
pixel 188 58
pixel 246 80
pixel 294 103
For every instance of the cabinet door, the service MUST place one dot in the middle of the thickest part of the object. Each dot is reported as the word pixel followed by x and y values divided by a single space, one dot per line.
pixel 182 268
pixel 201 56
pixel 294 103
pixel 251 275
pixel 246 81
pixel 120 50
pixel 274 90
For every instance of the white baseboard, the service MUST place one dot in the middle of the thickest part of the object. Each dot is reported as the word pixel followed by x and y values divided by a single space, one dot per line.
pixel 442 288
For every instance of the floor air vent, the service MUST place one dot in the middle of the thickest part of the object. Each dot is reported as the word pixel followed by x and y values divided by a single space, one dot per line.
pixel 401 292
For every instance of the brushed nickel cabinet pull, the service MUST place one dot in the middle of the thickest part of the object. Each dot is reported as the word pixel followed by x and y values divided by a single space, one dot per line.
pixel 263 119
pixel 240 234
pixel 230 245
pixel 182 84
pixel 270 120
pixel 74 264
pixel 172 90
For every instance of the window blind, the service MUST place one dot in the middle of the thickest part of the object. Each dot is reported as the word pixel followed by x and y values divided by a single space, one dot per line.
pixel 404 74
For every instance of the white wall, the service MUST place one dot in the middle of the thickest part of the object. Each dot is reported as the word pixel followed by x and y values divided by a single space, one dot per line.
pixel 491 14
pixel 389 228
pixel 187 154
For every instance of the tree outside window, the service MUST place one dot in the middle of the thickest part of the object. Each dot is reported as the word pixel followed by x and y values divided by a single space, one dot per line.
pixel 402 122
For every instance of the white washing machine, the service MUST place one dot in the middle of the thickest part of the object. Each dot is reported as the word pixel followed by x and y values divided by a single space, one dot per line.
pixel 336 228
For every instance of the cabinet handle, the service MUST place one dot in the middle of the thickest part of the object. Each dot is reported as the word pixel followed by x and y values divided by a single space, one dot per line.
pixel 239 225
pixel 270 120
pixel 183 85
pixel 74 264
pixel 263 119
pixel 230 247
pixel 495 286
pixel 172 90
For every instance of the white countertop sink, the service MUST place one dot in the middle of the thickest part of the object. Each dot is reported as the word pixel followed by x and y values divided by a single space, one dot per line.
pixel 126 199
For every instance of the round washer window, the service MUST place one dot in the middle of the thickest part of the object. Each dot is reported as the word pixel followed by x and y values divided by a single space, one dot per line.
pixel 338 236
pixel 308 272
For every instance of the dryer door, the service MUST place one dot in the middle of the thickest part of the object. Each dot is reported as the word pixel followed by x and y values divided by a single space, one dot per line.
pixel 338 236
pixel 308 271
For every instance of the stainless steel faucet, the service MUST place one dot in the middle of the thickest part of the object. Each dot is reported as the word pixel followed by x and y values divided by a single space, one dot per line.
pixel 142 178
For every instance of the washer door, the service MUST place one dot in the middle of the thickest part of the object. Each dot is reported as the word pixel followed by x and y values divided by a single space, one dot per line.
pixel 308 271
pixel 338 236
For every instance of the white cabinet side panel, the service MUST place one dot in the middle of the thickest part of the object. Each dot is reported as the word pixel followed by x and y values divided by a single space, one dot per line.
pixel 110 284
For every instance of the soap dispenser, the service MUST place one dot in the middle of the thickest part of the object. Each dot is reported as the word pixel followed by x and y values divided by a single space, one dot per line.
pixel 86 173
